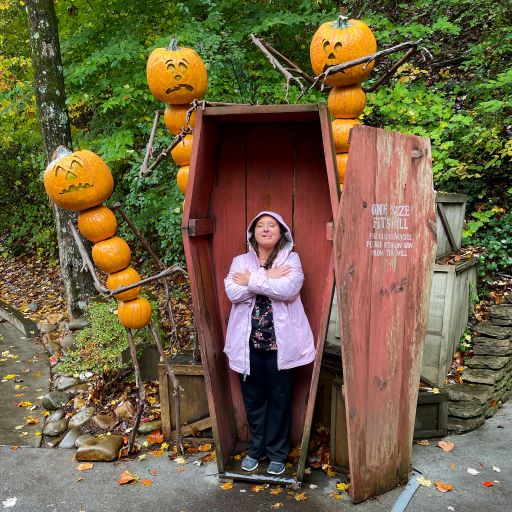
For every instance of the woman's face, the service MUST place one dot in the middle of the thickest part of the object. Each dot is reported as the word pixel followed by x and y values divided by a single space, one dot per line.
pixel 267 232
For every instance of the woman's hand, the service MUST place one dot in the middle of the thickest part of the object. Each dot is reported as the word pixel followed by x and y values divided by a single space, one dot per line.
pixel 276 273
pixel 242 278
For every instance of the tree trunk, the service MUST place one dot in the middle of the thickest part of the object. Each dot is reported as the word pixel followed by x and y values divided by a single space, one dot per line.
pixel 51 102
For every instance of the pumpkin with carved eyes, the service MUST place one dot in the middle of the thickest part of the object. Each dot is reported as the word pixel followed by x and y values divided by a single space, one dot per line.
pixel 77 181
pixel 176 75
pixel 342 41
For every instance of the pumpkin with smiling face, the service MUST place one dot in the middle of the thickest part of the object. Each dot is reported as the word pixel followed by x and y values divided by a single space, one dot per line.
pixel 77 181
pixel 176 75
pixel 342 41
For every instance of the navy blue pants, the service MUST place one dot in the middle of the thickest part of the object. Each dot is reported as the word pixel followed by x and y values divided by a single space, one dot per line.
pixel 267 394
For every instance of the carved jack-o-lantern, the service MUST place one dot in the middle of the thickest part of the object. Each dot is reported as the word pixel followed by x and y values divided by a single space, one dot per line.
pixel 176 75
pixel 341 41
pixel 77 181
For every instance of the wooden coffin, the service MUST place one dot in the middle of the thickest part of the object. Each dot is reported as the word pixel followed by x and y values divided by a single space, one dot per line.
pixel 246 159
pixel 385 242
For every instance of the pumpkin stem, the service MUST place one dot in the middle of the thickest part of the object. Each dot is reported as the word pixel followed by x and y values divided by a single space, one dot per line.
pixel 173 45
pixel 342 21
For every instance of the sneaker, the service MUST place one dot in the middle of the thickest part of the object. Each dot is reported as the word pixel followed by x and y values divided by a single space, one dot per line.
pixel 275 468
pixel 249 464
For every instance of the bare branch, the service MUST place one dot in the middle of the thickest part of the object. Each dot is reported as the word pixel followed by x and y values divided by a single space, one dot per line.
pixel 149 147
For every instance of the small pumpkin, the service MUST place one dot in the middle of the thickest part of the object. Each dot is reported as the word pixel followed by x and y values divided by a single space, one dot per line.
pixel 342 41
pixel 183 151
pixel 176 75
pixel 341 161
pixel 341 132
pixel 182 178
pixel 124 278
pixel 175 118
pixel 346 102
pixel 134 314
pixel 77 181
pixel 111 255
pixel 97 223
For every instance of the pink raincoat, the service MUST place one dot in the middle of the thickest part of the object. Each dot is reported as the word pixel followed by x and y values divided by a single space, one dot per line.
pixel 295 346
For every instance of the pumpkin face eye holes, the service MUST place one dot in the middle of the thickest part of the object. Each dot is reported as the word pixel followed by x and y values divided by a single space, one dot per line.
pixel 171 67
pixel 183 67
pixel 70 175
pixel 325 46
pixel 337 46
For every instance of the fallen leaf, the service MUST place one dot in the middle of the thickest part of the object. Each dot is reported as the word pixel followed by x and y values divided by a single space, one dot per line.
pixel 164 446
pixel 156 453
pixel 143 456
pixel 423 442
pixel 453 467
pixel 342 486
pixel 450 508
pixel 9 502
pixel 79 479
pixel 336 495
pixel 85 466
pixel 443 487
pixel 237 457
pixel 156 437
pixel 154 472
pixel 15 447
pixel 146 483
pixel 227 486
pixel 209 457
pixel 180 469
pixel 301 496
pixel 10 376
pixel 277 505
pixel 472 471
pixel 423 481
pixel 208 447
pixel 435 391
pixel 488 484
pixel 276 490
pixel 446 446
pixel 498 470
pixel 313 486
pixel 126 478
pixel 328 470
pixel 32 420
pixel 23 404
pixel 307 471
pixel 257 488
pixel 180 460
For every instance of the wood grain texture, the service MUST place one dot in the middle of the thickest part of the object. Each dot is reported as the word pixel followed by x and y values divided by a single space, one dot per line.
pixel 384 251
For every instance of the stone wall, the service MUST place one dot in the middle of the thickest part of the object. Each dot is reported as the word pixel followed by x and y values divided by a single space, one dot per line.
pixel 488 374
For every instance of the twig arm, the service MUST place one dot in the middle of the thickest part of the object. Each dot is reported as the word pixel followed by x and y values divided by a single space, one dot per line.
pixel 149 147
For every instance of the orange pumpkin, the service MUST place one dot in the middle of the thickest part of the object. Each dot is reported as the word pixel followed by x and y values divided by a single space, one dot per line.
pixel 183 151
pixel 77 181
pixel 175 118
pixel 182 178
pixel 124 278
pixel 341 41
pixel 346 102
pixel 111 255
pixel 176 75
pixel 134 314
pixel 341 131
pixel 98 223
pixel 341 161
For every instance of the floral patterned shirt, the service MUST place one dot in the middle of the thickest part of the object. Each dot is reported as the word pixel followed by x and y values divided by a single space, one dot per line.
pixel 263 336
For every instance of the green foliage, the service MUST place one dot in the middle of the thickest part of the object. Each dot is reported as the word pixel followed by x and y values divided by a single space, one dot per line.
pixel 98 348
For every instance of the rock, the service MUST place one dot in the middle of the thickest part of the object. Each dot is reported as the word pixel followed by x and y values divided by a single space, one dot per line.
pixel 54 441
pixel 461 425
pixel 70 438
pixel 82 417
pixel 125 411
pixel 79 403
pixel 78 324
pixel 466 409
pixel 150 426
pixel 67 342
pixel 63 383
pixel 46 328
pixel 507 396
pixel 80 389
pixel 55 415
pixel 55 318
pixel 100 449
pixel 33 306
pixel 475 393
pixel 54 428
pixel 502 313
pixel 491 346
pixel 104 421
pixel 83 439
pixel 482 376
pixel 491 331
pixel 491 362
pixel 55 399
pixel 491 410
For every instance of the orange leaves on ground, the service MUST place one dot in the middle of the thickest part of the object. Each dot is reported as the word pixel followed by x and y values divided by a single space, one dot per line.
pixel 156 437
pixel 301 496
pixel 15 447
pixel 342 486
pixel 205 447
pixel 209 457
pixel 328 470
pixel 146 483
pixel 443 487
pixel 488 483
pixel 227 486
pixel 32 420
pixel 446 446
pixel 127 478
pixel 154 472
pixel 277 505
pixel 423 442
pixel 336 495
pixel 181 469
pixel 85 466
pixel 276 490
pixel 23 404
pixel 156 453
pixel 257 488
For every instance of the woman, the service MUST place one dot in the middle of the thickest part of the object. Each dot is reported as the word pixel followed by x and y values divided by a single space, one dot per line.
pixel 268 335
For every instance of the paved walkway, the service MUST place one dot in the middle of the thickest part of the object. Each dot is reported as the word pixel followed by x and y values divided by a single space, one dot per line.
pixel 24 377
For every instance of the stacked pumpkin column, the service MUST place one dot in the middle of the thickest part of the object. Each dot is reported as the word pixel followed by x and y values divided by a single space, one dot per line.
pixel 177 76
pixel 335 43
pixel 82 181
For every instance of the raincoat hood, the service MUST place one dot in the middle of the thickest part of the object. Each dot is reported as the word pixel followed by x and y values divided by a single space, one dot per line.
pixel 288 234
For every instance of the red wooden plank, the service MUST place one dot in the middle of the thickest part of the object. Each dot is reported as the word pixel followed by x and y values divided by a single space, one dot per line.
pixel 384 250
